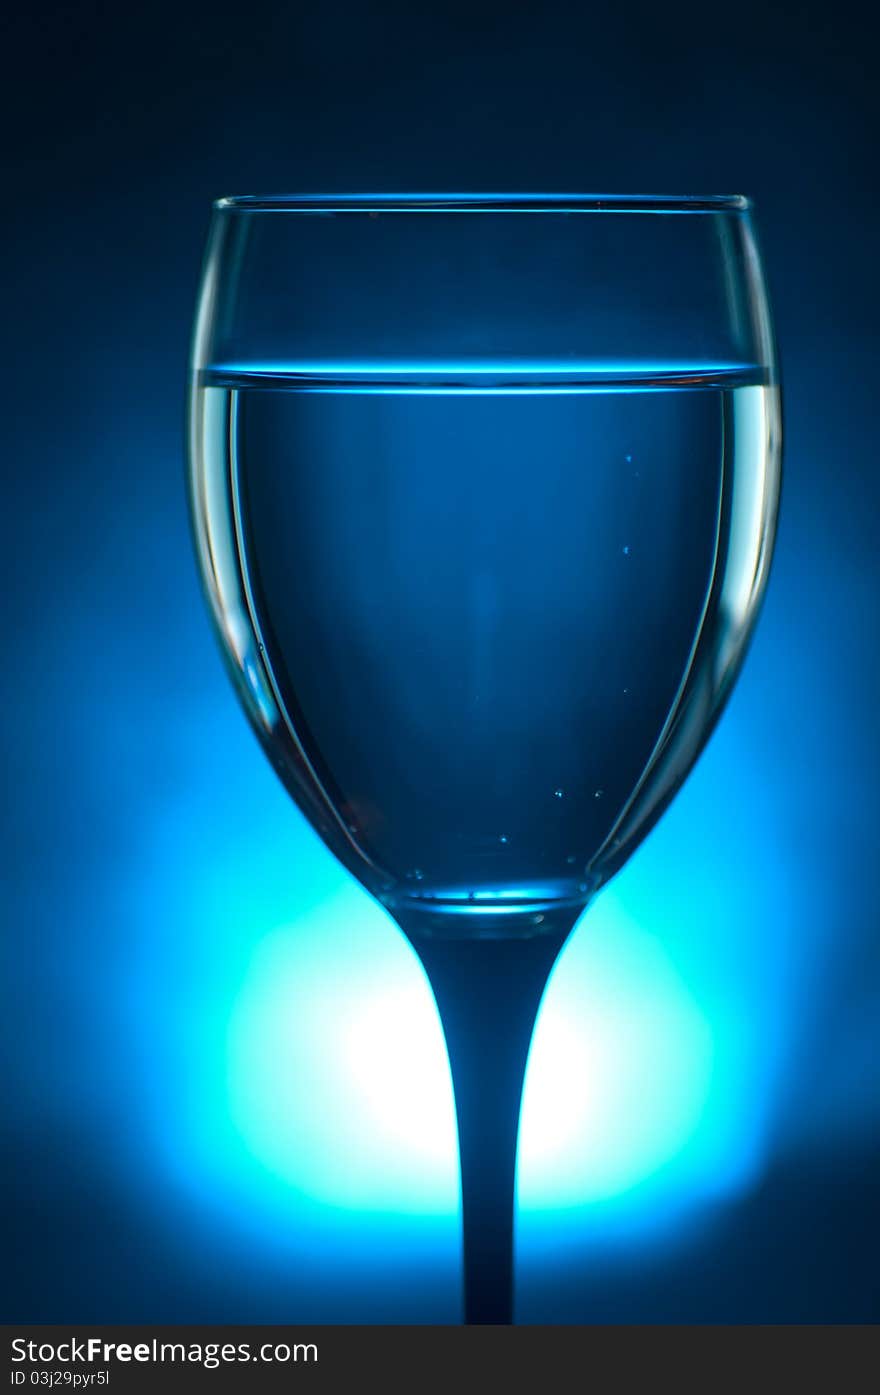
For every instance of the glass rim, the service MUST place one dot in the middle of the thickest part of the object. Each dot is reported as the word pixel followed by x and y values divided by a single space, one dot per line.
pixel 483 203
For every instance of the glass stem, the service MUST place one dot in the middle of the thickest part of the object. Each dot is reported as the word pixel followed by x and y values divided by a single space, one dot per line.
pixel 488 992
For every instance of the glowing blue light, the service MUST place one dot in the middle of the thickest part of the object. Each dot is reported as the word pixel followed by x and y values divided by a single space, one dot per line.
pixel 318 1076
pixel 281 1042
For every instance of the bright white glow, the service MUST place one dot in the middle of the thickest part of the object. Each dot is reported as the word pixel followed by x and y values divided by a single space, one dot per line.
pixel 337 1070
pixel 396 1064
pixel 339 1083
pixel 619 1074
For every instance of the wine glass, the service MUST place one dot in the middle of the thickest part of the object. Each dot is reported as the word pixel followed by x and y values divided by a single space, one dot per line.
pixel 484 492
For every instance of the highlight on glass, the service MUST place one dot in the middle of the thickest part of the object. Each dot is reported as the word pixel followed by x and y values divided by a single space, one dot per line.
pixel 484 492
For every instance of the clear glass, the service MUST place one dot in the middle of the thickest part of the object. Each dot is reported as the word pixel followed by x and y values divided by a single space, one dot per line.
pixel 484 492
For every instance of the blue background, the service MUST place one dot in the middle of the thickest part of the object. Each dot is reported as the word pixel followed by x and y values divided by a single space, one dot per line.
pixel 226 1092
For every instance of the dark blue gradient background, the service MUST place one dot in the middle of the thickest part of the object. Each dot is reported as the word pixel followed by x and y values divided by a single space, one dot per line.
pixel 213 1108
